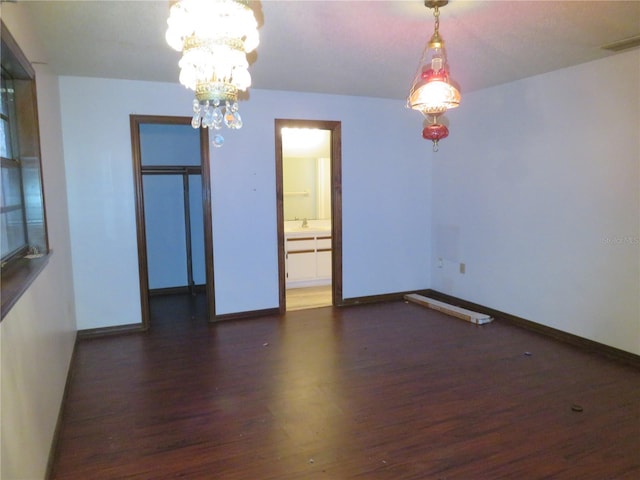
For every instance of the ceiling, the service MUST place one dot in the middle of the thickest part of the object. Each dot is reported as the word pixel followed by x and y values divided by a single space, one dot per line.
pixel 367 48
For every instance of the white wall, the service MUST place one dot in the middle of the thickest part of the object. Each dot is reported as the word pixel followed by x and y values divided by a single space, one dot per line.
pixel 537 192
pixel 385 198
pixel 38 334
pixel 386 178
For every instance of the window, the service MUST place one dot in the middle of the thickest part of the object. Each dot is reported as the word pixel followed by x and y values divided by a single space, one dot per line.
pixel 23 241
pixel 12 211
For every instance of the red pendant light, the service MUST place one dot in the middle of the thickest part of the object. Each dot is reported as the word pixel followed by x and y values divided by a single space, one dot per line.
pixel 435 132
pixel 432 92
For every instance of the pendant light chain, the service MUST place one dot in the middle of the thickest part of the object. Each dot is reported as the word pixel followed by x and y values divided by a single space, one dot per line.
pixel 432 93
pixel 425 50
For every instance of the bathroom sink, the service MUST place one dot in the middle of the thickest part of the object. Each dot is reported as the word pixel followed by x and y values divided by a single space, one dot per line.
pixel 309 230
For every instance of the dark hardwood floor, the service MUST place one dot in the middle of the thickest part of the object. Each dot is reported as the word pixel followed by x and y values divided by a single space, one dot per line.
pixel 385 391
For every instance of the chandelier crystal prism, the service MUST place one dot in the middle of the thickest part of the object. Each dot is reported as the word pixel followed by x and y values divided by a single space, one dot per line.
pixel 432 92
pixel 214 37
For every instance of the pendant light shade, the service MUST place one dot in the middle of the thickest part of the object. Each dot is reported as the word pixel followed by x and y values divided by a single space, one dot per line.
pixel 432 92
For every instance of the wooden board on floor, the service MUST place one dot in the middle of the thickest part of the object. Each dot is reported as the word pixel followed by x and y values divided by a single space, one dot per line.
pixel 462 313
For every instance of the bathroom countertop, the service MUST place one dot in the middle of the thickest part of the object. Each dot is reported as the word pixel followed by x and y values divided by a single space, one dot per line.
pixel 307 231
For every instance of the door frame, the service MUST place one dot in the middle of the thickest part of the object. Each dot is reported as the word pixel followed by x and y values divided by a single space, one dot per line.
pixel 335 127
pixel 136 153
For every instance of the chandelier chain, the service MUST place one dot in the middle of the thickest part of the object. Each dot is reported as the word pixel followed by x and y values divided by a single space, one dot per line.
pixel 431 92
pixel 425 50
pixel 436 14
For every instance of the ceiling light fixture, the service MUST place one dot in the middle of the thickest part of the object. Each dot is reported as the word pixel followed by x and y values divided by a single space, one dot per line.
pixel 214 37
pixel 432 92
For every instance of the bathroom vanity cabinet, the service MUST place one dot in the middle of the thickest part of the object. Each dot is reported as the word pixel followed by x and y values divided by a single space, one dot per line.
pixel 308 258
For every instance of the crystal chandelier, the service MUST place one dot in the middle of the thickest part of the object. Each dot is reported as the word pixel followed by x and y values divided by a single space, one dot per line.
pixel 214 37
pixel 432 92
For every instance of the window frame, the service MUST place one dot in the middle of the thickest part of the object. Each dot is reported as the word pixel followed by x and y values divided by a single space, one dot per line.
pixel 11 162
pixel 21 267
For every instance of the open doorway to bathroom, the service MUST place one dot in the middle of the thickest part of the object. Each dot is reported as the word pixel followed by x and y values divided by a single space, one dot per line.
pixel 309 213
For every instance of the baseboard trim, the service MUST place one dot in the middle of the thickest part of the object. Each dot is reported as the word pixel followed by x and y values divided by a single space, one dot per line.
pixel 65 393
pixel 346 302
pixel 562 336
pixel 242 315
pixel 386 297
pixel 176 290
pixel 107 331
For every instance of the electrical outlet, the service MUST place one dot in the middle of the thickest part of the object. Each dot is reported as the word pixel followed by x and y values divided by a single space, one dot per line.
pixel 440 262
pixel 463 268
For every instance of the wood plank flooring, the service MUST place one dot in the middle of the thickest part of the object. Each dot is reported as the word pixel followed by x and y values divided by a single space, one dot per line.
pixel 385 391
pixel 309 297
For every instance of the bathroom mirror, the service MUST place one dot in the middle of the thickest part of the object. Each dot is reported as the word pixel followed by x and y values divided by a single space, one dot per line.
pixel 306 173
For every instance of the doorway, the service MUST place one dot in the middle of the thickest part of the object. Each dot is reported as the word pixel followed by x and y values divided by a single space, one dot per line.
pixel 173 210
pixel 309 213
